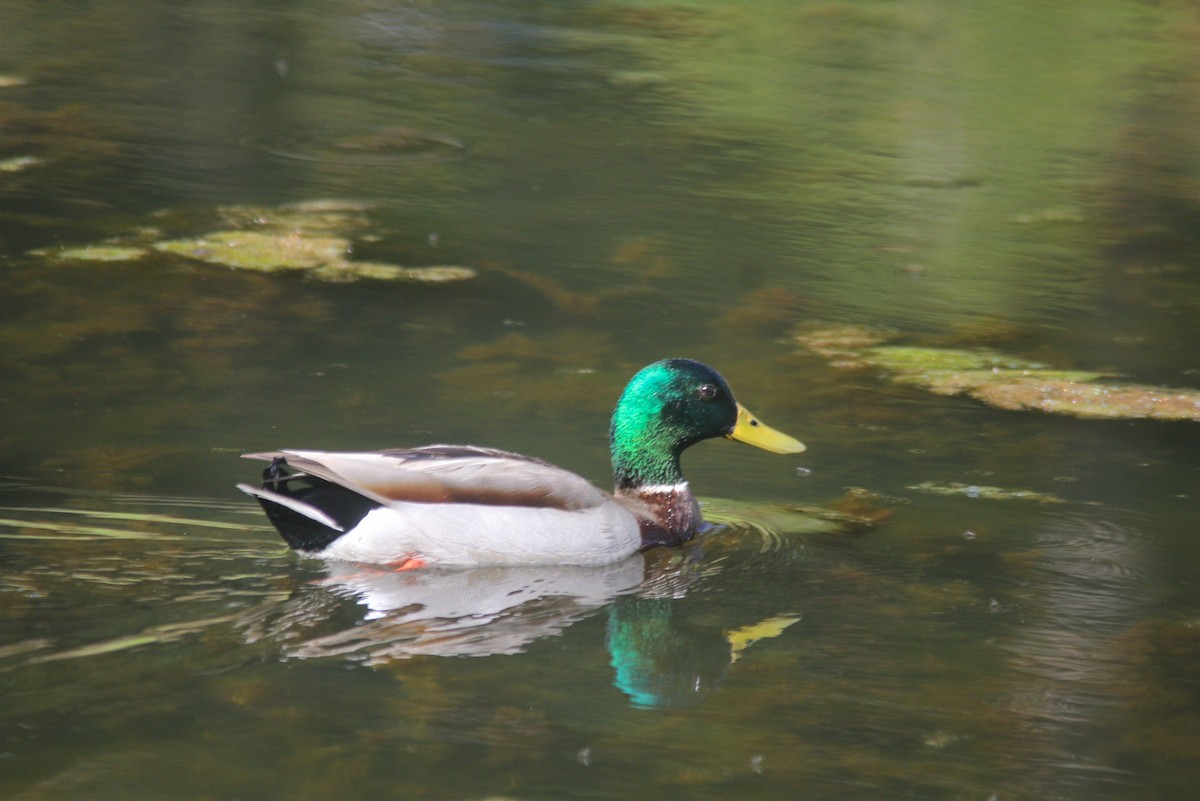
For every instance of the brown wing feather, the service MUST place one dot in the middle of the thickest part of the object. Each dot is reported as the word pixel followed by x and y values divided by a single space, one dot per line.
pixel 448 474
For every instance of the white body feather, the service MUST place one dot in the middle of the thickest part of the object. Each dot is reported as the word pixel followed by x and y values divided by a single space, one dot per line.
pixel 462 534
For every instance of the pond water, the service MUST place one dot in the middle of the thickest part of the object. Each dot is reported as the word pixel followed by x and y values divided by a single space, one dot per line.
pixel 1009 605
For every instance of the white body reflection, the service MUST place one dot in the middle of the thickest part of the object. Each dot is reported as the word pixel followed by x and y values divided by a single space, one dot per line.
pixel 443 612
pixel 373 616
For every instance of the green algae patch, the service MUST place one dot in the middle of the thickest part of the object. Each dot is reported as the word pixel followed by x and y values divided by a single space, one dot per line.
pixel 1017 385
pixel 920 361
pixel 344 271
pixel 1094 400
pixel 260 251
pixel 985 492
pixel 102 253
pixel 843 345
pixel 999 379
pixel 997 382
pixel 311 237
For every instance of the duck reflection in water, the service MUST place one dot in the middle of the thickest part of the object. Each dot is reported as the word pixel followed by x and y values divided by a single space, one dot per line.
pixel 486 611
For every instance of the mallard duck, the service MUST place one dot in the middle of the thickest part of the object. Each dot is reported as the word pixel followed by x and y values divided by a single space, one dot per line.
pixel 461 505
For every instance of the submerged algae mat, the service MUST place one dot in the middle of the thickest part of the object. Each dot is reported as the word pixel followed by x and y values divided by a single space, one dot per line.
pixel 998 379
pixel 313 237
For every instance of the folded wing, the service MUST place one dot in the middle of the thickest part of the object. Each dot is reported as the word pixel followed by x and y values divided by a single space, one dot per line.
pixel 446 474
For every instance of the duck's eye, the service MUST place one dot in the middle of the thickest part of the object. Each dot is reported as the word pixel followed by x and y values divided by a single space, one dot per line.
pixel 707 391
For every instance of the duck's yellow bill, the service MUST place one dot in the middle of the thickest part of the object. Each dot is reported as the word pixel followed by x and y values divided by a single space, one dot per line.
pixel 749 430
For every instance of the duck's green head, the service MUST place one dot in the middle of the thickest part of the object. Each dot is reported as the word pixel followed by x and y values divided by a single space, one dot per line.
pixel 671 405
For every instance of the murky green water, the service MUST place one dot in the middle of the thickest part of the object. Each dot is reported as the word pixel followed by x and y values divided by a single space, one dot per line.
pixel 628 181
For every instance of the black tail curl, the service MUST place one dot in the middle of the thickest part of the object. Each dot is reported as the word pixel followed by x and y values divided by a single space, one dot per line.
pixel 302 533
